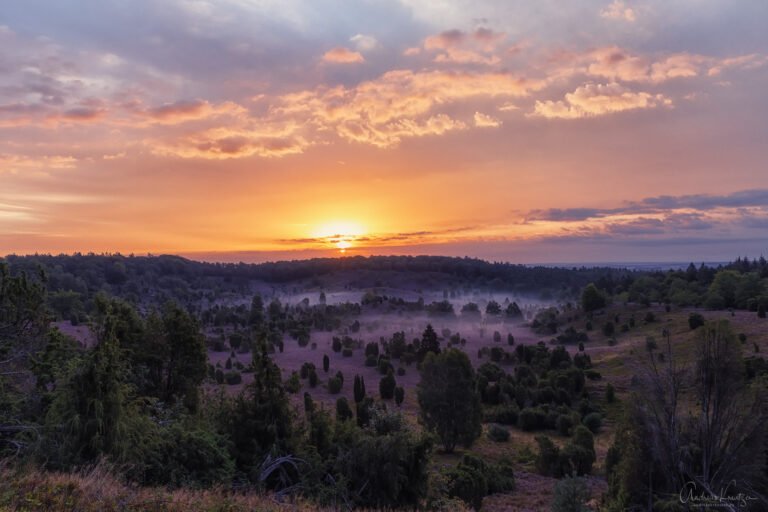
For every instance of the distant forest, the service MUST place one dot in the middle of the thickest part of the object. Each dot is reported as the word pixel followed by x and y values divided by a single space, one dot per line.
pixel 73 281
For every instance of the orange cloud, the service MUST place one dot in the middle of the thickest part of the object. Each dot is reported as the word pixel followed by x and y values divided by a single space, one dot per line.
pixel 595 100
pixel 182 111
pixel 269 141
pixel 616 63
pixel 486 121
pixel 341 55
pixel 395 105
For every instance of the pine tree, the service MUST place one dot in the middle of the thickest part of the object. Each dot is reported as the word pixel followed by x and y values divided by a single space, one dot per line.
pixel 449 402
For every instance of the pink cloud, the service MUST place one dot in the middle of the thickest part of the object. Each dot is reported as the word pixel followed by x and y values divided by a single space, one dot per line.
pixel 593 100
pixel 341 55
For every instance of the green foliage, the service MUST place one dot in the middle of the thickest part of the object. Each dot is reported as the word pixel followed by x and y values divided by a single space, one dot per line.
pixel 498 433
pixel 695 320
pixel 343 410
pixel 610 393
pixel 399 396
pixel 571 495
pixel 429 343
pixel 293 384
pixel 473 479
pixel 188 456
pixel 359 388
pixel 334 385
pixel 593 421
pixel 548 458
pixel 93 412
pixel 449 404
pixel 387 386
pixel 531 418
pixel 592 299
pixel 385 471
pixel 259 420
pixel 233 378
pixel 326 363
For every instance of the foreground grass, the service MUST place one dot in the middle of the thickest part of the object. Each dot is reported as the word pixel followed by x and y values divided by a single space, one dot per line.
pixel 97 490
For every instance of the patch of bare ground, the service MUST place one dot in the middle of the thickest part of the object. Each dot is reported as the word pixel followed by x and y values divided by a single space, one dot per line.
pixel 81 333
pixel 533 493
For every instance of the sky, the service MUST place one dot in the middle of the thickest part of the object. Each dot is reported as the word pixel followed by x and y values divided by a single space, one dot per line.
pixel 509 130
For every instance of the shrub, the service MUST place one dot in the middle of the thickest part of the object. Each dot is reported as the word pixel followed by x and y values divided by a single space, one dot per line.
pixel 564 424
pixel 372 349
pixel 571 494
pixel 468 484
pixel 387 386
pixel 531 419
pixel 610 394
pixel 219 376
pixel 326 363
pixel 233 378
pixel 592 374
pixel 293 384
pixel 334 385
pixel 548 458
pixel 371 361
pixel 695 320
pixel 505 414
pixel 399 395
pixel 649 317
pixel 609 329
pixel 336 345
pixel 347 352
pixel 343 410
pixel 510 340
pixel 305 369
pixel 593 421
pixel 359 389
pixel 400 371
pixel 384 365
pixel 580 452
pixel 312 378
pixel 498 433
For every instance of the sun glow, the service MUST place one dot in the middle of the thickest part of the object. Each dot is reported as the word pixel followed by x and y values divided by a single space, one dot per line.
pixel 341 235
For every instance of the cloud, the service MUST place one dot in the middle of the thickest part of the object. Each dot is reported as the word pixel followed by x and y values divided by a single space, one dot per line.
pixel 618 10
pixel 618 64
pixel 189 110
pixel 252 139
pixel 445 39
pixel 744 198
pixel 364 43
pixel 398 104
pixel 592 100
pixel 486 121
pixel 13 163
pixel 341 55
pixel 459 47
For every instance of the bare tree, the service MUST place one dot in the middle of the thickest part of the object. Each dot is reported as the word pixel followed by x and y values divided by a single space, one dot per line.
pixel 705 424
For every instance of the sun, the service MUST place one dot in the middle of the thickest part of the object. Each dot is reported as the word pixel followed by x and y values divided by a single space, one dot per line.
pixel 339 234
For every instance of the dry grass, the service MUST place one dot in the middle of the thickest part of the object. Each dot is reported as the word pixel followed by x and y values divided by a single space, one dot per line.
pixel 98 490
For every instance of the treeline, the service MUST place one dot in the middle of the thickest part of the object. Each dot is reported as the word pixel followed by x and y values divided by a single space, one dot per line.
pixel 159 278
pixel 742 284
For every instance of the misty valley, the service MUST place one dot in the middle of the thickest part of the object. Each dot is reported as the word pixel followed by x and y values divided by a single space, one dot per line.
pixel 426 383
